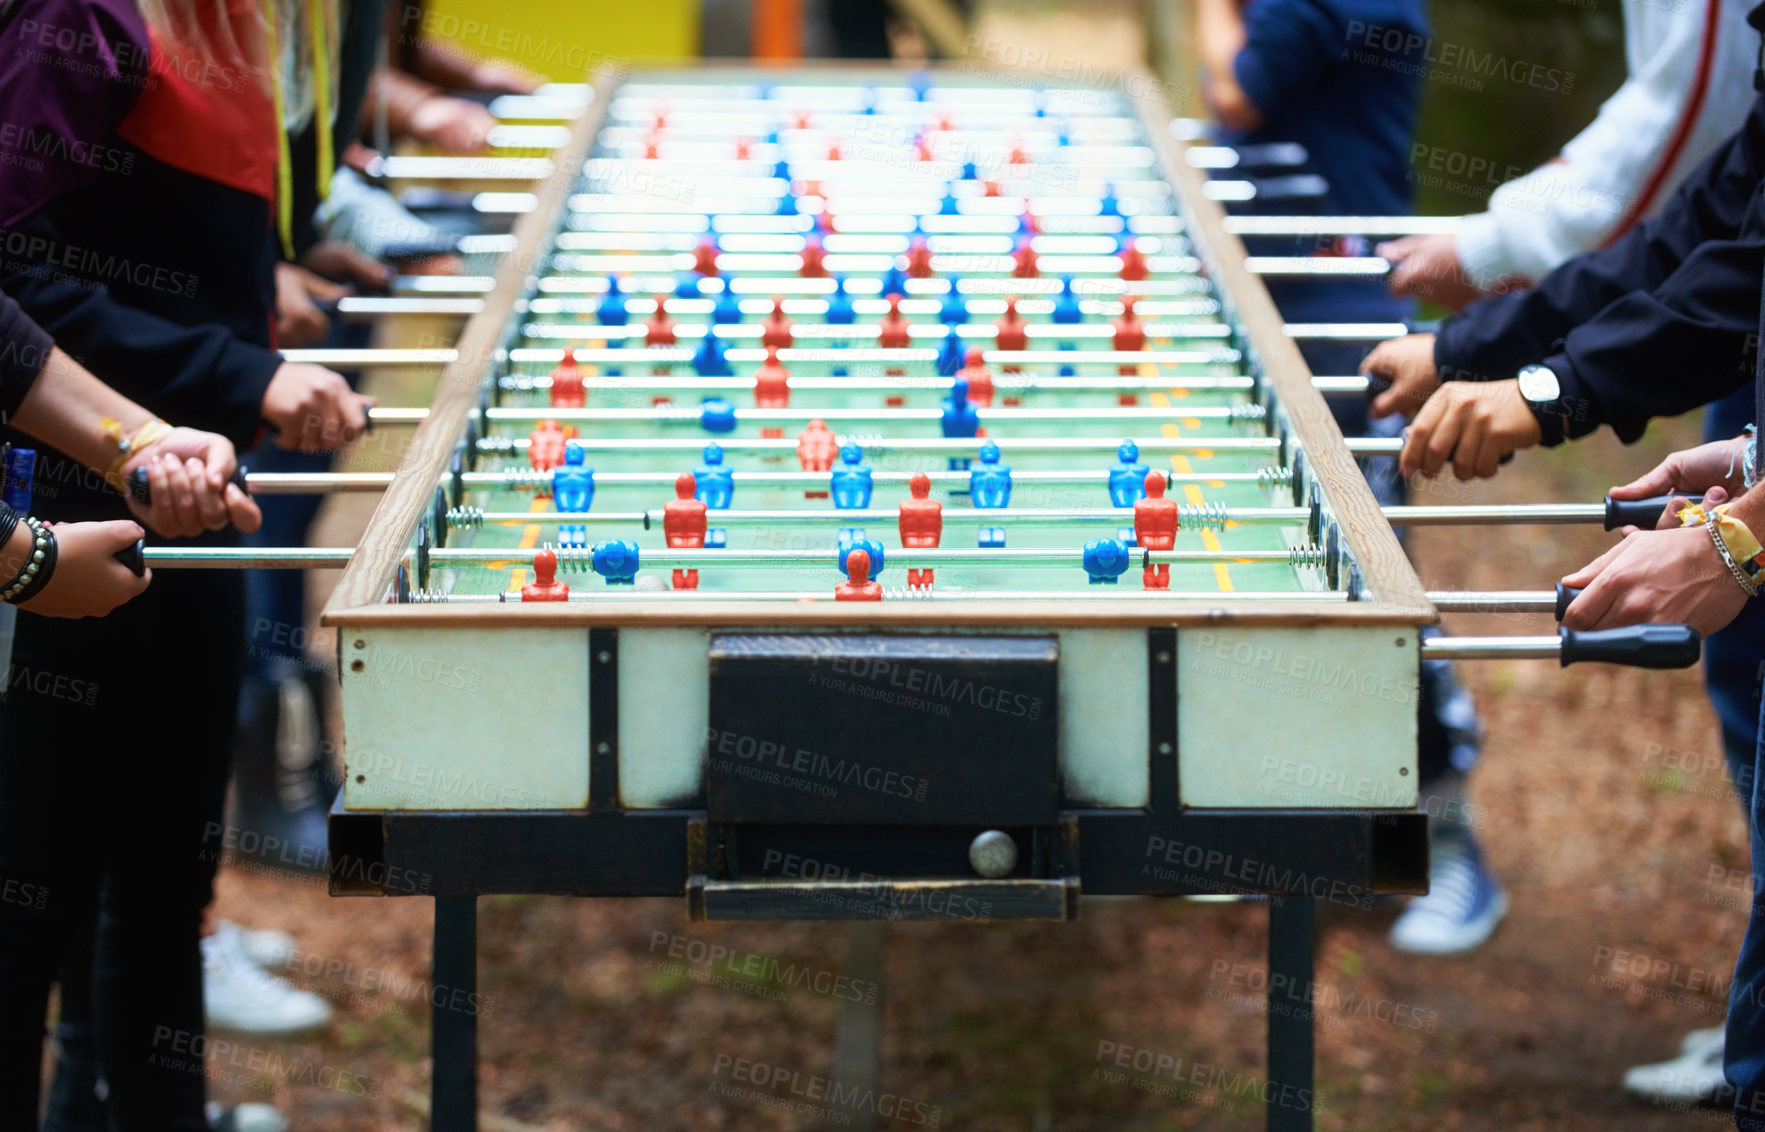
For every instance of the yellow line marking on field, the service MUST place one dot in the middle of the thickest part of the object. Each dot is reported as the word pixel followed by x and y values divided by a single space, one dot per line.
pixel 529 540
pixel 1192 491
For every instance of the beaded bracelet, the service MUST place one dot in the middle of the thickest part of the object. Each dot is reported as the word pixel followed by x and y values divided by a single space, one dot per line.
pixel 1740 576
pixel 38 567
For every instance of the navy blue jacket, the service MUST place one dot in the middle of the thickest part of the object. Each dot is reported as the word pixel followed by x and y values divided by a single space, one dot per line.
pixel 1662 321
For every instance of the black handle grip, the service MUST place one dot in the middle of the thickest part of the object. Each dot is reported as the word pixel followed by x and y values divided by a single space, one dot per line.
pixel 142 492
pixel 1639 646
pixel 1565 596
pixel 1376 385
pixel 134 557
pixel 1644 513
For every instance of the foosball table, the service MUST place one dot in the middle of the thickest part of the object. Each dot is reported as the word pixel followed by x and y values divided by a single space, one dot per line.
pixel 869 495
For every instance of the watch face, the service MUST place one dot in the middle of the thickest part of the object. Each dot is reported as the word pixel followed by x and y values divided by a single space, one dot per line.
pixel 1539 383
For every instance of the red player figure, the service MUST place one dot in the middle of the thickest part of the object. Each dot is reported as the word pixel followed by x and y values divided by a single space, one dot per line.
pixel 858 586
pixel 1133 264
pixel 802 119
pixel 705 257
pixel 1155 528
pixel 919 259
pixel 833 150
pixel 772 388
pixel 545 447
pixel 1023 260
pixel 817 446
pixel 1010 332
pixel 1019 155
pixel 980 382
pixel 891 332
pixel 1030 227
pixel 1130 333
pixel 652 146
pixel 659 330
pixel 545 585
pixel 775 332
pixel 922 148
pixel 744 149
pixel 993 189
pixel 683 525
pixel 921 521
pixel 567 390
pixel 812 256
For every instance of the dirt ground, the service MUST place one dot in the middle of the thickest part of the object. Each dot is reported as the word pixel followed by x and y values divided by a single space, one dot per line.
pixel 1601 797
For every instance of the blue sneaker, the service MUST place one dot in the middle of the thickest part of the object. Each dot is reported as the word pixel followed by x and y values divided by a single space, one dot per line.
pixel 1463 906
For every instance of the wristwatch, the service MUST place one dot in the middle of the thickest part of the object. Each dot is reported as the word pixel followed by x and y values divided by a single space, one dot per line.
pixel 1544 396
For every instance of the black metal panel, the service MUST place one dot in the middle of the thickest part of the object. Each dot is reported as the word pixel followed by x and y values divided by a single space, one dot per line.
pixel 819 852
pixel 563 853
pixel 870 729
pixel 603 719
pixel 1334 856
pixel 1344 857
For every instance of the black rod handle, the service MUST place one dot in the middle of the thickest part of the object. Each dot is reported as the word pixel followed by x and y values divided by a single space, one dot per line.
pixel 142 492
pixel 134 556
pixel 1566 595
pixel 1644 513
pixel 1639 646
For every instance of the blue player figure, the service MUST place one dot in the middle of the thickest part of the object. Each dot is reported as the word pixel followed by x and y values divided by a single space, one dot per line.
pixel 959 419
pixel 851 481
pixel 989 487
pixel 715 488
pixel 611 311
pixel 1127 480
pixel 1105 560
pixel 573 481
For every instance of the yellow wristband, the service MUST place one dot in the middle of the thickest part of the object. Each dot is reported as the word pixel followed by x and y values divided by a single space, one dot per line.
pixel 149 433
pixel 1736 535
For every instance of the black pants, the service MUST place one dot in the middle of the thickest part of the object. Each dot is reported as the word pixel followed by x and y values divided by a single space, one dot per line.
pixel 115 737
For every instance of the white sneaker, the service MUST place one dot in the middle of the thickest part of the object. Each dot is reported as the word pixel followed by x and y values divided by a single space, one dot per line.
pixel 265 948
pixel 244 1118
pixel 1698 1039
pixel 1694 1077
pixel 1463 906
pixel 239 996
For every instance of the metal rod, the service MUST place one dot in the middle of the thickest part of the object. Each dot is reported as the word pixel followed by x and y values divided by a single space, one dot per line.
pixel 1308 265
pixel 371 359
pixel 916 556
pixel 1356 445
pixel 691 415
pixel 247 557
pixel 1490 648
pixel 1005 383
pixel 1343 225
pixel 377 306
pixel 960 446
pixel 985 516
pixel 1119 592
pixel 1494 601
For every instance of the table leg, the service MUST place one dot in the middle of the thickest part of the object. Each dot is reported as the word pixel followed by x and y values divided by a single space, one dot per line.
pixel 1292 940
pixel 453 1031
pixel 858 1059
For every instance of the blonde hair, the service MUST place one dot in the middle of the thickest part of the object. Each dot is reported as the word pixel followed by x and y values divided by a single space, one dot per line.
pixel 237 34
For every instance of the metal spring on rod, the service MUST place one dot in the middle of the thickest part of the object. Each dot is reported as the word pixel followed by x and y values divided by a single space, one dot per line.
pixel 1272 477
pixel 520 383
pixel 907 593
pixel 427 597
pixel 1201 516
pixel 1247 414
pixel 1306 556
pixel 497 445
pixel 572 559
pixel 465 518
pixel 527 480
